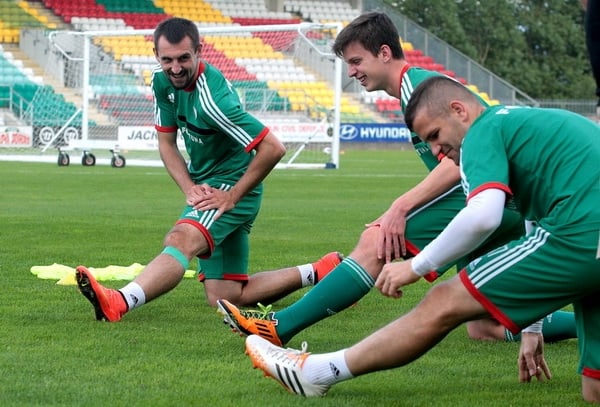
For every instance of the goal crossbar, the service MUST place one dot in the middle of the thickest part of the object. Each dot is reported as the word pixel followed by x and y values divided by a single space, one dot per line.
pixel 307 123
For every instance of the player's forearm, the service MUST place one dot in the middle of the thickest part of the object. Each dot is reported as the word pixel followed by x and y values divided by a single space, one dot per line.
pixel 253 176
pixel 469 228
pixel 268 153
pixel 176 166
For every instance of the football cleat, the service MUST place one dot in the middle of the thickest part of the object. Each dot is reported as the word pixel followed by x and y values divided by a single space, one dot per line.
pixel 326 264
pixel 252 322
pixel 109 304
pixel 283 365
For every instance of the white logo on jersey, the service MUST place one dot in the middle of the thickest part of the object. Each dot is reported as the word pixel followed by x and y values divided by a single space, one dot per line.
pixel 474 262
pixel 193 214
pixel 191 137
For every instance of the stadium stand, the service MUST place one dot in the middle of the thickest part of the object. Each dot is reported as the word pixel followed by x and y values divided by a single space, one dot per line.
pixel 246 61
pixel 322 11
pixel 251 12
pixel 21 85
pixel 18 14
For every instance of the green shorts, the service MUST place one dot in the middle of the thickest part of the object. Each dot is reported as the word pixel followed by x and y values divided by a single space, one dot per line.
pixel 426 222
pixel 529 278
pixel 227 237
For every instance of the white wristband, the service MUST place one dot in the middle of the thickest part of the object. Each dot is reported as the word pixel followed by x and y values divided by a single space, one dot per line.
pixel 535 328
pixel 420 265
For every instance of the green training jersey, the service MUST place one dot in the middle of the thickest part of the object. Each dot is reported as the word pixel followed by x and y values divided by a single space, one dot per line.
pixel 546 159
pixel 410 78
pixel 219 134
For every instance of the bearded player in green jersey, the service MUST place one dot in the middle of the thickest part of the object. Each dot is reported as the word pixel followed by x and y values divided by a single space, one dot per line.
pixel 231 153
pixel 545 162
pixel 371 49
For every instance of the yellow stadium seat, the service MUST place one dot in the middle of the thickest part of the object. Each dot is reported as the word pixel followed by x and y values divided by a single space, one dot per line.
pixel 406 46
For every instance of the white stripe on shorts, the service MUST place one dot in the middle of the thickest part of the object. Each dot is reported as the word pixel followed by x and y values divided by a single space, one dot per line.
pixel 489 270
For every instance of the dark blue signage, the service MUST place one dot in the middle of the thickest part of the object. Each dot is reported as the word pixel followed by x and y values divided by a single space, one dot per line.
pixel 374 133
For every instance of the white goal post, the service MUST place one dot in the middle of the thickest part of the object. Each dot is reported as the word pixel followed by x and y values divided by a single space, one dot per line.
pixel 285 74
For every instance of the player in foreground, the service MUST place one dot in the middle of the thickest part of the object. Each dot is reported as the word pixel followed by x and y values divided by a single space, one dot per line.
pixel 230 152
pixel 525 155
pixel 370 47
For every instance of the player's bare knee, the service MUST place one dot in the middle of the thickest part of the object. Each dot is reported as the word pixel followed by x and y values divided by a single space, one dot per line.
pixel 368 238
pixel 474 331
pixel 189 242
pixel 365 252
pixel 229 290
pixel 482 330
pixel 590 389
pixel 448 305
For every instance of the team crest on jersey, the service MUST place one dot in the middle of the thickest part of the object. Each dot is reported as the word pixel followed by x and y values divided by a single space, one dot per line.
pixel 171 97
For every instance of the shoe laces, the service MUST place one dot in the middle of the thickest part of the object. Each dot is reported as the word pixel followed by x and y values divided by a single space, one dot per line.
pixel 289 356
pixel 264 312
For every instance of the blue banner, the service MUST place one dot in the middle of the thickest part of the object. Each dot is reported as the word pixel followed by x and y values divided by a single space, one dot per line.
pixel 374 133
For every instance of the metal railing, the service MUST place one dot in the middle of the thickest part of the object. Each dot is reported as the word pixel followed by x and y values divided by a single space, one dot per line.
pixel 16 103
pixel 452 59
pixel 584 107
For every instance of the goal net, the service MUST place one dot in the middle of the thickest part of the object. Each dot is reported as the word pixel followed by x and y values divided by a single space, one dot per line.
pixel 101 105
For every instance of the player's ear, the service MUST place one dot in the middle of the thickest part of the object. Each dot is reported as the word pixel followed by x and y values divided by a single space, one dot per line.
pixel 458 107
pixel 385 52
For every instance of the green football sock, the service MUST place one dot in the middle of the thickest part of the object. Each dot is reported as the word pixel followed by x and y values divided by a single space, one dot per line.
pixel 345 285
pixel 558 326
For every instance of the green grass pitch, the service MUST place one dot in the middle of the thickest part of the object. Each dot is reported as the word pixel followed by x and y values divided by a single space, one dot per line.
pixel 176 351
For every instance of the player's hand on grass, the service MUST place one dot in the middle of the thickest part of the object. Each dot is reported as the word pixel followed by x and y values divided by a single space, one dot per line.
pixel 531 358
pixel 394 276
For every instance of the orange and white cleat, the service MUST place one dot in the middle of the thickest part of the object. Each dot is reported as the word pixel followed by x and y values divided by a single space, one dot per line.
pixel 283 365
pixel 251 322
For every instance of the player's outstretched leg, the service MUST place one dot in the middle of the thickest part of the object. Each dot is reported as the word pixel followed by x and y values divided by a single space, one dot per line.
pixel 283 365
pixel 109 304
pixel 262 322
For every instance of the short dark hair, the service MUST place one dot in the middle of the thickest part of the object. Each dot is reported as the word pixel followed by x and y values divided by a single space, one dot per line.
pixel 371 30
pixel 435 93
pixel 175 29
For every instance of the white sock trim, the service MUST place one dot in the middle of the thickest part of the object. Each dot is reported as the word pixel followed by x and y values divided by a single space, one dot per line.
pixel 307 274
pixel 326 368
pixel 134 295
